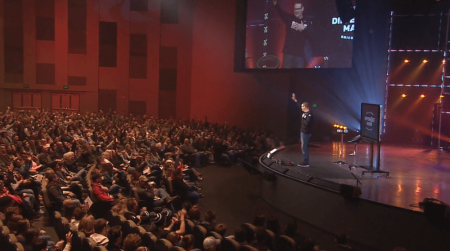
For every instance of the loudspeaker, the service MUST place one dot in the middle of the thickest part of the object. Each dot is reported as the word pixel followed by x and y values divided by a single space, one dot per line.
pixel 350 192
pixel 345 10
pixel 435 209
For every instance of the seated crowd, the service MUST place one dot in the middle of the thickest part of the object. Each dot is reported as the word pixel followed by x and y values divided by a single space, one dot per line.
pixel 88 166
pixel 125 183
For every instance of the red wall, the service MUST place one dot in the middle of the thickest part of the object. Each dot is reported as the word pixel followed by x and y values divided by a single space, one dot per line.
pixel 243 99
pixel 206 83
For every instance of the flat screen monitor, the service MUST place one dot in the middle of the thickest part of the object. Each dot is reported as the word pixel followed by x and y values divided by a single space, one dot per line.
pixel 295 34
pixel 370 122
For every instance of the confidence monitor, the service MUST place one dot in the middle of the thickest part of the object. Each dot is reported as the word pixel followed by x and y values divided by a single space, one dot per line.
pixel 370 122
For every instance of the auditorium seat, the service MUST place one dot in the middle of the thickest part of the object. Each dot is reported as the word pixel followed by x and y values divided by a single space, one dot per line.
pixel 4 232
pixel 18 247
pixel 149 240
pixel 249 232
pixel 176 248
pixel 199 233
pixel 88 244
pixel 60 227
pixel 117 220
pixel 189 226
pixel 109 216
pixel 215 235
pixel 127 227
pixel 270 240
pixel 163 245
pixel 12 239
pixel 9 243
pixel 247 248
pixel 77 240
pixel 286 243
pixel 69 227
pixel 138 230
pixel 229 245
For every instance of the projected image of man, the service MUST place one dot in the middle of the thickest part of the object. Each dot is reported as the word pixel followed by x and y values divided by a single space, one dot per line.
pixel 305 130
pixel 297 29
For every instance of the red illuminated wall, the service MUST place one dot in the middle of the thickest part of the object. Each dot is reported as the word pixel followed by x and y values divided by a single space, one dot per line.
pixel 242 99
pixel 203 39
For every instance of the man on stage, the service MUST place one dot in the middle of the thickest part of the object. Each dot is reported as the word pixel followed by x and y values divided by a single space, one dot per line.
pixel 305 131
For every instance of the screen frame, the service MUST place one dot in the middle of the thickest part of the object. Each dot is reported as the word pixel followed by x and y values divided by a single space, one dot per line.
pixel 366 137
pixel 240 45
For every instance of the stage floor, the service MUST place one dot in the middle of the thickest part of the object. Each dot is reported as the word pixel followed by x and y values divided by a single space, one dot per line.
pixel 415 172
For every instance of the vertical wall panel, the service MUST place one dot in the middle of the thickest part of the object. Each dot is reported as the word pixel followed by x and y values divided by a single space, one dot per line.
pixel 167 104
pixel 107 44
pixel 167 82
pixel 77 26
pixel 138 5
pixel 168 79
pixel 77 81
pixel 37 100
pixel 17 100
pixel 169 11
pixel 169 57
pixel 13 41
pixel 107 100
pixel 61 44
pixel 30 43
pixel 138 56
pixel 45 74
pixel 45 20
pixel 138 108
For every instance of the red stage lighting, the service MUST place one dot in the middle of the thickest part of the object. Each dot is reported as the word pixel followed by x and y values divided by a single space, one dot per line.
pixel 403 95
pixel 406 61
pixel 425 61
pixel 422 96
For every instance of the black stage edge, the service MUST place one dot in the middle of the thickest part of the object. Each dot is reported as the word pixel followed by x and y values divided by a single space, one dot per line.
pixel 335 207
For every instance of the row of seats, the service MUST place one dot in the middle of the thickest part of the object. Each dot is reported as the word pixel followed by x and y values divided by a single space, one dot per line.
pixel 8 241
pixel 81 242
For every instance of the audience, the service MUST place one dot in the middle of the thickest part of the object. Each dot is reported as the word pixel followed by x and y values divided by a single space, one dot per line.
pixel 210 244
pixel 109 156
pixel 101 231
pixel 115 238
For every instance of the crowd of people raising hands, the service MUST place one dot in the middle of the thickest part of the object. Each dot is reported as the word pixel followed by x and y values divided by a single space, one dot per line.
pixel 143 168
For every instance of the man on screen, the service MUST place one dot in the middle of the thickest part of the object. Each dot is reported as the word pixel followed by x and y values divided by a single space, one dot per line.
pixel 296 35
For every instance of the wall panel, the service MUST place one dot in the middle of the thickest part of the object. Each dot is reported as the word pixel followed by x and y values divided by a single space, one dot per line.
pixel 77 26
pixel 107 44
pixel 13 41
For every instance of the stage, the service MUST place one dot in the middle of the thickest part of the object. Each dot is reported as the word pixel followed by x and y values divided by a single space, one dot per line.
pixel 415 172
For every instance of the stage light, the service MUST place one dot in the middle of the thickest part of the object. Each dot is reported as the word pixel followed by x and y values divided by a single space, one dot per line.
pixel 441 96
pixel 406 61
pixel 403 95
pixel 425 61
pixel 443 61
pixel 422 96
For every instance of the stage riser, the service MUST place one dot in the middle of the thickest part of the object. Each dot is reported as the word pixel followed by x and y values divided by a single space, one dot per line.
pixel 370 223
